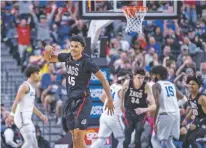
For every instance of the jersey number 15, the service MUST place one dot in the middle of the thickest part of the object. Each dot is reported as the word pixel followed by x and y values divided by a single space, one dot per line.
pixel 170 91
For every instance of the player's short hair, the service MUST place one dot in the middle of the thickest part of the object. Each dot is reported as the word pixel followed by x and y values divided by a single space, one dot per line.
pixel 139 71
pixel 161 71
pixel 77 38
pixel 31 69
pixel 197 79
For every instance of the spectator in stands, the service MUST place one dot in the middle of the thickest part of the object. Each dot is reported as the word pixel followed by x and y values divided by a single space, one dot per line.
pixel 4 114
pixel 23 30
pixel 42 26
pixel 49 84
pixel 158 35
pixel 139 59
pixel 54 33
pixel 12 137
pixel 149 28
pixel 192 47
pixel 61 97
pixel 64 27
pixel 167 54
pixel 7 18
pixel 48 95
pixel 171 74
pixel 46 77
pixel 149 57
pixel 184 53
pixel 42 143
pixel 120 63
pixel 154 44
pixel 190 10
pixel 123 43
pixel 203 70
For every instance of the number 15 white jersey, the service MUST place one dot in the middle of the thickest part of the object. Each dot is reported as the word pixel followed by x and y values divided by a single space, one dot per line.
pixel 168 99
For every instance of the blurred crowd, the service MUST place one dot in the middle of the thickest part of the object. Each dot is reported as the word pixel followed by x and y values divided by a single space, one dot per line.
pixel 179 45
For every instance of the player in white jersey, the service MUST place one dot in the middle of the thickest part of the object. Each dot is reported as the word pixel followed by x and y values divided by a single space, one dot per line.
pixel 112 124
pixel 23 108
pixel 167 116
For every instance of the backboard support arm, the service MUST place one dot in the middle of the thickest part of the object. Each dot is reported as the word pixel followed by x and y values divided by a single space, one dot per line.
pixel 95 28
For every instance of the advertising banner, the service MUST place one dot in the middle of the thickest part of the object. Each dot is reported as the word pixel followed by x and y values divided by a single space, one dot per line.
pixel 97 109
pixel 96 91
pixel 94 79
pixel 92 135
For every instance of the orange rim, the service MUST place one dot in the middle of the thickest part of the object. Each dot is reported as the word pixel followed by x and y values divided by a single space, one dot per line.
pixel 131 10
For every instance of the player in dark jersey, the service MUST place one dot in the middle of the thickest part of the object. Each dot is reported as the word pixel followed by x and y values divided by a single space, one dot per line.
pixel 79 68
pixel 135 96
pixel 197 104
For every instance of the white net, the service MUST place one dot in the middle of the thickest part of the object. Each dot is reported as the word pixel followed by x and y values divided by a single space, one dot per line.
pixel 135 17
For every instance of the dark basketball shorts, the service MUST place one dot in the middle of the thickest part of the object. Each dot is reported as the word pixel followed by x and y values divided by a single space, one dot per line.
pixel 131 120
pixel 76 113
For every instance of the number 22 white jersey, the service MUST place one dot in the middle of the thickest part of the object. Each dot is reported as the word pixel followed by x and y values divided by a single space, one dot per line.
pixel 115 88
pixel 168 99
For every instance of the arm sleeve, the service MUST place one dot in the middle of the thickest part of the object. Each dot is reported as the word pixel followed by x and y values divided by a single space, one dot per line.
pixel 63 56
pixel 91 66
pixel 35 19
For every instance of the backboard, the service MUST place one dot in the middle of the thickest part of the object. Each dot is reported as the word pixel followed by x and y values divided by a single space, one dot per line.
pixel 111 9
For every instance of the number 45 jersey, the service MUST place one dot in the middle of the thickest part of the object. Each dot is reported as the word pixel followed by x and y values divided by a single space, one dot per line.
pixel 168 99
pixel 78 74
pixel 135 98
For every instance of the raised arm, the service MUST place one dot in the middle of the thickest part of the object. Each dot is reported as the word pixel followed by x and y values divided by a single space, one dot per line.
pixel 33 15
pixel 179 70
pixel 50 17
pixel 122 93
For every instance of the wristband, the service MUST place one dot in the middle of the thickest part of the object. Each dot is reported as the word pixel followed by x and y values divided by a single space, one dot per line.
pixel 12 114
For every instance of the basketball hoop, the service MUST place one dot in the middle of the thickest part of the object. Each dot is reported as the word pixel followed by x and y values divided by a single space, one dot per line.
pixel 135 16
